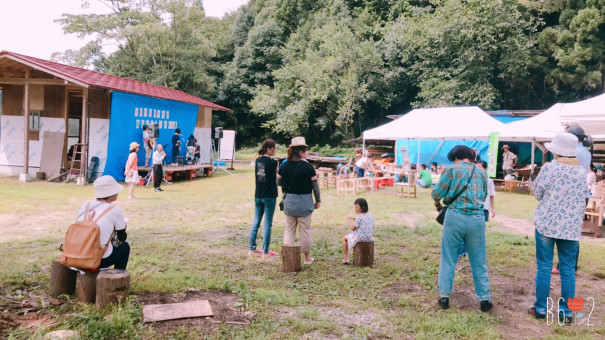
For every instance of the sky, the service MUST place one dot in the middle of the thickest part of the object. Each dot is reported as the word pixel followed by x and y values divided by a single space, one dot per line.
pixel 27 26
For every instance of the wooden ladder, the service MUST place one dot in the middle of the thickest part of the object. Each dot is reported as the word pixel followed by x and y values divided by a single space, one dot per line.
pixel 77 154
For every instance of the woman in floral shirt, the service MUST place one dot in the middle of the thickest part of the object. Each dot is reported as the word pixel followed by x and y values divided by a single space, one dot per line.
pixel 362 226
pixel 561 191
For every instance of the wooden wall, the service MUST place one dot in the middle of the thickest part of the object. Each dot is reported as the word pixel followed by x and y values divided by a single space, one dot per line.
pixel 12 100
pixel 204 117
pixel 54 98
pixel 98 100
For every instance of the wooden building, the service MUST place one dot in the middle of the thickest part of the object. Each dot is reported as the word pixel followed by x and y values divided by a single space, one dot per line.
pixel 39 96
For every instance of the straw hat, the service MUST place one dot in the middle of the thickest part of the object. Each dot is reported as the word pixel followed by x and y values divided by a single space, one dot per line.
pixel 298 141
pixel 134 145
pixel 106 186
pixel 505 146
pixel 564 144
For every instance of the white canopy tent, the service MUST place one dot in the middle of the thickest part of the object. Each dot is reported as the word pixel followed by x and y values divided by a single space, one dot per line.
pixel 444 123
pixel 589 114
pixel 464 122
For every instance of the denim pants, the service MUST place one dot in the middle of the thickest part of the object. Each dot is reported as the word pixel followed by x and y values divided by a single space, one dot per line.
pixel 359 171
pixel 568 254
pixel 262 206
pixel 118 257
pixel 470 229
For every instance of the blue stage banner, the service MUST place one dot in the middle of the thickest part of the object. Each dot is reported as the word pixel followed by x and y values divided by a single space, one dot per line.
pixel 428 148
pixel 129 112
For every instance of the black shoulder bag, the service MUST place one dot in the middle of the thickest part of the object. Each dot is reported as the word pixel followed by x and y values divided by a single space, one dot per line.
pixel 443 210
pixel 281 203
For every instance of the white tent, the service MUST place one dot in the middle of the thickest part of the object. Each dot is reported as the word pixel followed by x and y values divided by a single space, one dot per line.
pixel 589 114
pixel 464 122
pixel 540 128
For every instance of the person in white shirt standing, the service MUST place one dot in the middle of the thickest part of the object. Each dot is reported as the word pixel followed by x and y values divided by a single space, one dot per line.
pixel 488 206
pixel 158 171
pixel 509 161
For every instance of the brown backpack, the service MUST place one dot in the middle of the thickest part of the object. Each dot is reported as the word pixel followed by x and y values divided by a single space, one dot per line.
pixel 82 247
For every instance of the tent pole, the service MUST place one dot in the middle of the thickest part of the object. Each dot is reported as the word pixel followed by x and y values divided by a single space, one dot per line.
pixel 533 150
pixel 363 145
pixel 436 151
pixel 418 163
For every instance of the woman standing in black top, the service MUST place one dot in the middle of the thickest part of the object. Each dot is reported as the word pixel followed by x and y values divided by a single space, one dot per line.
pixel 298 180
pixel 265 196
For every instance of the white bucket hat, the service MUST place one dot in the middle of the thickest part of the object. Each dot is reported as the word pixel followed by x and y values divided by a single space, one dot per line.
pixel 298 141
pixel 106 186
pixel 134 145
pixel 564 144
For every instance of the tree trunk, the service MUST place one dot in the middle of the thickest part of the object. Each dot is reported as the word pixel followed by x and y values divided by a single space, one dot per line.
pixel 87 288
pixel 113 286
pixel 363 254
pixel 290 259
pixel 62 279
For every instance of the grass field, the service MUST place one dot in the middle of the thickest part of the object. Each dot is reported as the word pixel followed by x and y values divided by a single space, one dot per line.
pixel 191 241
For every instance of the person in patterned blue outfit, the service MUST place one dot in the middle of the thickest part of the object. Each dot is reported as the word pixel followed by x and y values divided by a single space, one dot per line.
pixel 561 191
pixel 362 226
pixel 464 222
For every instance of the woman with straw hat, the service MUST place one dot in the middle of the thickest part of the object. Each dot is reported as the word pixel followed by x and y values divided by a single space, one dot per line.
pixel 561 191
pixel 131 171
pixel 298 179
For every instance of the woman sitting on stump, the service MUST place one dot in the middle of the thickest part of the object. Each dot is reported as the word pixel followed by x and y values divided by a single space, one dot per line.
pixel 362 226
pixel 112 219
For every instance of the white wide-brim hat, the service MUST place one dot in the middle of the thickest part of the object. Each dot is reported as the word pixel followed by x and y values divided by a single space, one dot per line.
pixel 298 141
pixel 134 145
pixel 564 144
pixel 106 186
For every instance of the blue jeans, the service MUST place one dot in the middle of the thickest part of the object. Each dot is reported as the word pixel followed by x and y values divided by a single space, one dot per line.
pixel 266 206
pixel 359 171
pixel 470 229
pixel 568 254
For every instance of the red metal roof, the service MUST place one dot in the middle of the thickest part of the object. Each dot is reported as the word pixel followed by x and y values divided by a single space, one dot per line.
pixel 92 78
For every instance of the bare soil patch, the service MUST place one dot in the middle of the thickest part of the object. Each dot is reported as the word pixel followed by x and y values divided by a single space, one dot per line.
pixel 222 307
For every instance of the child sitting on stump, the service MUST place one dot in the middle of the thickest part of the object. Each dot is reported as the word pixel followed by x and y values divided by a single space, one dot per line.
pixel 362 226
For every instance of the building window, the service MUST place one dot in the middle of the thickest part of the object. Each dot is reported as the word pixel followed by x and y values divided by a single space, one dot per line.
pixel 73 128
pixel 34 120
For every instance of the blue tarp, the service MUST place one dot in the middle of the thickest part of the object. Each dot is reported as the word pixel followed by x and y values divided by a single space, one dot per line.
pixel 428 147
pixel 129 112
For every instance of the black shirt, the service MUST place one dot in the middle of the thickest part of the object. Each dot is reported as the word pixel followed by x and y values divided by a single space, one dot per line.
pixel 266 186
pixel 297 180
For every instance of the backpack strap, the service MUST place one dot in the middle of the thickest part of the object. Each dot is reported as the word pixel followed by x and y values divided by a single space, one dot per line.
pixel 102 214
pixel 109 241
pixel 86 212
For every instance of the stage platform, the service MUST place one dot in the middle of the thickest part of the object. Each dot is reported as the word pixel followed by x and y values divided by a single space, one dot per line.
pixel 189 171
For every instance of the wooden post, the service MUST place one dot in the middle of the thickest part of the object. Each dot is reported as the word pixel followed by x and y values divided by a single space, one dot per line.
pixel 113 286
pixel 87 287
pixel 62 279
pixel 24 176
pixel 84 135
pixel 363 254
pixel 290 259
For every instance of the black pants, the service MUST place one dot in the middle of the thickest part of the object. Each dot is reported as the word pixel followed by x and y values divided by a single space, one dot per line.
pixel 158 174
pixel 118 258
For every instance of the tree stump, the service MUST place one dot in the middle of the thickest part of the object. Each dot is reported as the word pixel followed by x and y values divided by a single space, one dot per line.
pixel 62 279
pixel 87 287
pixel 113 286
pixel 290 259
pixel 363 254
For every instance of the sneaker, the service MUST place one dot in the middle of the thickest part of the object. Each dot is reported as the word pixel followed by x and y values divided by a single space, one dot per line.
pixel 160 189
pixel 555 270
pixel 486 306
pixel 444 302
pixel 269 254
pixel 566 319
pixel 310 261
pixel 255 251
pixel 157 190
pixel 132 197
pixel 532 311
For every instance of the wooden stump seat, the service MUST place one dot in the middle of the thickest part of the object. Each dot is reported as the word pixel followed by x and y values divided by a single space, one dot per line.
pixel 363 254
pixel 87 287
pixel 290 259
pixel 62 279
pixel 113 286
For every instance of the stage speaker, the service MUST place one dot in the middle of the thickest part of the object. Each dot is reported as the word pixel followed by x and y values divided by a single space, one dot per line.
pixel 154 130
pixel 218 132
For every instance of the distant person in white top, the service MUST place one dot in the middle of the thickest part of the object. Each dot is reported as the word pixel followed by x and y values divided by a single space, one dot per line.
pixel 106 192
pixel 509 160
pixel 407 165
pixel 158 171
pixel 488 205
pixel 591 178
pixel 363 164
pixel 582 154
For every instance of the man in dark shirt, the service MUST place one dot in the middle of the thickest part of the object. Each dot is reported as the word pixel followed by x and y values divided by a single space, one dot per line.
pixel 176 144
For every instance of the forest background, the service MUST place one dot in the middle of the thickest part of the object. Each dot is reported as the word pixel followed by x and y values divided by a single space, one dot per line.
pixel 329 69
